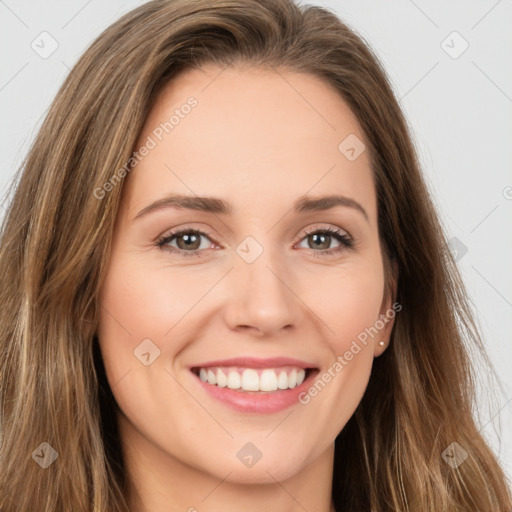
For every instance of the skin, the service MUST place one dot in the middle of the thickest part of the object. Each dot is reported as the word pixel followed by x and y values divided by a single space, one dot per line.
pixel 259 139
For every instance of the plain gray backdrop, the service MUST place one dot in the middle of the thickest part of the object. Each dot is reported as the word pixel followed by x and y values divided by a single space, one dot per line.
pixel 450 65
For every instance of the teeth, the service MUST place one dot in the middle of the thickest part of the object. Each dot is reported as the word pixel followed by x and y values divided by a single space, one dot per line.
pixel 282 380
pixel 292 378
pixel 234 380
pixel 268 380
pixel 222 380
pixel 250 379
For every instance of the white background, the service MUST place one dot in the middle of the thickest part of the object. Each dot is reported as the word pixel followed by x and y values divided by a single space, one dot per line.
pixel 460 111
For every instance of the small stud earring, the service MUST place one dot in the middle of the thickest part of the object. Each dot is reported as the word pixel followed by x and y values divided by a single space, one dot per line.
pixel 381 343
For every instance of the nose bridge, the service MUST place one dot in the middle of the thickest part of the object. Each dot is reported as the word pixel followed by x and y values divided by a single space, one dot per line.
pixel 262 297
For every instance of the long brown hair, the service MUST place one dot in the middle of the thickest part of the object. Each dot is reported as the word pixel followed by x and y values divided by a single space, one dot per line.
pixel 55 243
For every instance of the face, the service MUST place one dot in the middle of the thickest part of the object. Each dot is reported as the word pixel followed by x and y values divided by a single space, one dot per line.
pixel 262 287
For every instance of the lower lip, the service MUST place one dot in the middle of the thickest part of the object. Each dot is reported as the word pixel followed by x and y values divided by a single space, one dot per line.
pixel 260 402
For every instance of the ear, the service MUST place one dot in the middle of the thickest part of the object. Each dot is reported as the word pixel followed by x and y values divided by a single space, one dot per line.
pixel 389 308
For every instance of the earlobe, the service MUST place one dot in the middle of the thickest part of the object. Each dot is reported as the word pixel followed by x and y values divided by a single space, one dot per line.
pixel 389 307
pixel 380 348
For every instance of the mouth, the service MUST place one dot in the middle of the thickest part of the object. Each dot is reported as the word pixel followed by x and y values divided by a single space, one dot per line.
pixel 254 385
pixel 255 380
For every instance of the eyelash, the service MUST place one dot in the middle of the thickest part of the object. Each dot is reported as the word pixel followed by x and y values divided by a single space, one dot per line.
pixel 338 234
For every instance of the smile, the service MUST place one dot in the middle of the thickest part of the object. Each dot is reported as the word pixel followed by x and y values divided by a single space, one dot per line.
pixel 252 379
pixel 251 385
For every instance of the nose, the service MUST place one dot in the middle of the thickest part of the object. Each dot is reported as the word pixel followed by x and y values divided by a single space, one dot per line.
pixel 261 297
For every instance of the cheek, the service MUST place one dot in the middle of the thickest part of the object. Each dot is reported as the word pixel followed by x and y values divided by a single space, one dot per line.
pixel 358 308
pixel 347 301
pixel 139 301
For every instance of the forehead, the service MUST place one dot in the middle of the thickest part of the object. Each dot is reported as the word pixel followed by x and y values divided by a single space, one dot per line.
pixel 255 136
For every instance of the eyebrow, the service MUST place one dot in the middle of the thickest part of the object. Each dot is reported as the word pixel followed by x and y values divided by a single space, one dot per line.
pixel 219 206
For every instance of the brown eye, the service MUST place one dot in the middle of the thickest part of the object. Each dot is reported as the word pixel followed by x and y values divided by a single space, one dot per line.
pixel 188 242
pixel 321 240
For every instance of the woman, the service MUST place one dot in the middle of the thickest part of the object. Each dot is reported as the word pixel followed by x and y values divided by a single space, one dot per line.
pixel 310 356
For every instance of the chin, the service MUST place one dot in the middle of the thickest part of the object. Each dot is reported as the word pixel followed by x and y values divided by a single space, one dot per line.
pixel 269 468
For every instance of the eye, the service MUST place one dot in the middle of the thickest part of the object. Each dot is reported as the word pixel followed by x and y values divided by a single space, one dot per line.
pixel 322 238
pixel 188 241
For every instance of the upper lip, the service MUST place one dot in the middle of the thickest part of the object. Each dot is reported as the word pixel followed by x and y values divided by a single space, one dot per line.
pixel 254 362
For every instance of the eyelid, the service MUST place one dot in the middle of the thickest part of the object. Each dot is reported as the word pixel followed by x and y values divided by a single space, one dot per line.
pixel 315 228
pixel 205 231
pixel 186 229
